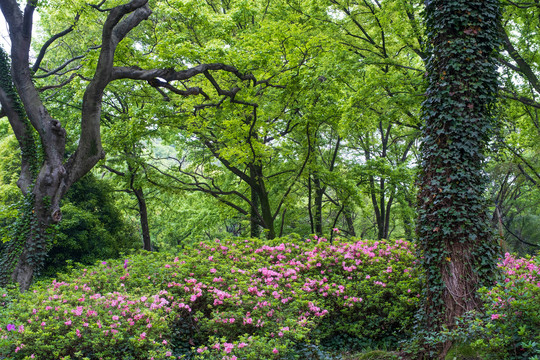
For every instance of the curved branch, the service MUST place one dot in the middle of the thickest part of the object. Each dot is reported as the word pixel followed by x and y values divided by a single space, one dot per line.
pixel 297 176
pixel 136 73
pixel 49 42
pixel 524 67
pixel 52 72
pixel 90 150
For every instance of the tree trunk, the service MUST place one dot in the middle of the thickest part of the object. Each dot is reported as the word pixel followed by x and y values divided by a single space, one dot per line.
pixel 282 222
pixel 310 205
pixel 51 178
pixel 387 216
pixel 264 201
pixel 458 251
pixel 349 220
pixel 379 218
pixel 31 240
pixel 254 216
pixel 319 191
pixel 143 217
pixel 267 213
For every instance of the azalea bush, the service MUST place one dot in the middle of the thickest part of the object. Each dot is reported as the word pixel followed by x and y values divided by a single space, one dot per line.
pixel 234 299
pixel 509 327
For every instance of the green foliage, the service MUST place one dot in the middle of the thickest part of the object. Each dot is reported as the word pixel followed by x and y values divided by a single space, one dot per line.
pixel 92 227
pixel 508 326
pixel 377 355
pixel 461 352
pixel 9 169
pixel 253 300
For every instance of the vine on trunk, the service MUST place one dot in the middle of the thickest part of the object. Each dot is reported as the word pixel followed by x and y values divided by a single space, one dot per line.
pixel 26 225
pixel 457 249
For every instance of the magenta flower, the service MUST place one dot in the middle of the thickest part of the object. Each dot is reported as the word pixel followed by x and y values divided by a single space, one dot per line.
pixel 11 327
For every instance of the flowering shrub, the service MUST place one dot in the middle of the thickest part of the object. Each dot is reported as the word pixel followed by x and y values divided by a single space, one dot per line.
pixel 510 327
pixel 235 299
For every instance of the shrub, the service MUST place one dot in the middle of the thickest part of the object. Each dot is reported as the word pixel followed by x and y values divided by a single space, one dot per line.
pixel 509 326
pixel 235 299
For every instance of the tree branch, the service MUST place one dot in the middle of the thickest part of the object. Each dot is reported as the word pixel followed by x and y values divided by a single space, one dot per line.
pixel 66 63
pixel 90 150
pixel 524 67
pixel 48 43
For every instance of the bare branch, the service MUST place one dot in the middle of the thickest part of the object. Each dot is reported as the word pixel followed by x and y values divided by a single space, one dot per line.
pixel 98 6
pixel 52 72
pixel 137 73
pixel 156 83
pixel 48 43
pixel 203 187
pixel 524 67
pixel 62 84
pixel 522 99
pixel 110 169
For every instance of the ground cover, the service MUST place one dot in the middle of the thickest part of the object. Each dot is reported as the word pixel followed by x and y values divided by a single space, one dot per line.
pixel 290 298
pixel 230 299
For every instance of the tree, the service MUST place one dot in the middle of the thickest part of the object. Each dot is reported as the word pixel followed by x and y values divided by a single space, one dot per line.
pixel 380 119
pixel 457 248
pixel 46 174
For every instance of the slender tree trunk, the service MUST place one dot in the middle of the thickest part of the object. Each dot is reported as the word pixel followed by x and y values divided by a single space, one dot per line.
pixel 264 201
pixel 254 216
pixel 379 219
pixel 318 203
pixel 143 217
pixel 282 222
pixel 387 217
pixel 310 205
pixel 267 213
pixel 457 248
pixel 349 220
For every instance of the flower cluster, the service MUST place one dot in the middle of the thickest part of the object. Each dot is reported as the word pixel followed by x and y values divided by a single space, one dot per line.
pixel 509 326
pixel 222 299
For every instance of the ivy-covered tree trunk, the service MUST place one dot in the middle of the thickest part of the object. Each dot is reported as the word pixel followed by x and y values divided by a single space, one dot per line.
pixel 41 181
pixel 44 181
pixel 457 248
